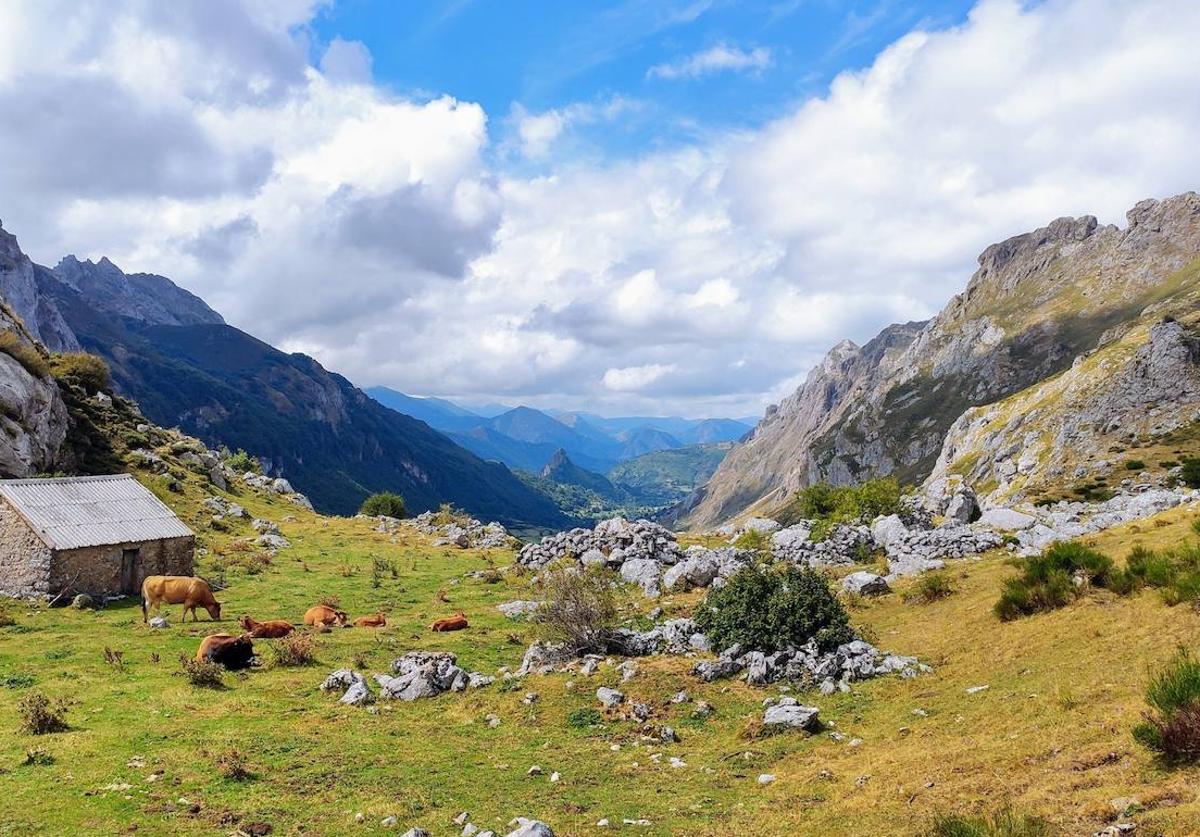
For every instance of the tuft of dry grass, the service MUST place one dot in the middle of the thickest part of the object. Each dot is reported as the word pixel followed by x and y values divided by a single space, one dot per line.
pixel 40 715
pixel 296 649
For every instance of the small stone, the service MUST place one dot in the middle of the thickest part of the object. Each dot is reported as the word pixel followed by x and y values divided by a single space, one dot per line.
pixel 766 778
pixel 389 822
pixel 530 698
pixel 555 776
pixel 536 770
pixel 493 721
pixel 83 602
pixel 360 817
pixel 461 818
pixel 974 690
pixel 609 697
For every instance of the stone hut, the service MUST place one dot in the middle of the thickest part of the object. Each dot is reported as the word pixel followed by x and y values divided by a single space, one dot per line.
pixel 96 535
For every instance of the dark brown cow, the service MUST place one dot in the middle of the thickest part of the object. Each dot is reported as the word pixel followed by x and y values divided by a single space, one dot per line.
pixel 186 590
pixel 451 623
pixel 271 629
pixel 232 652
pixel 324 616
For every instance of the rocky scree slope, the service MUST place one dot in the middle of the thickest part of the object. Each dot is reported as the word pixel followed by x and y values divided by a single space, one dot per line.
pixel 1037 302
pixel 185 367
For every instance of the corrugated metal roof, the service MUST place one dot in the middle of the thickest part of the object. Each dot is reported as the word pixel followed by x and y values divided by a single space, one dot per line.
pixel 72 512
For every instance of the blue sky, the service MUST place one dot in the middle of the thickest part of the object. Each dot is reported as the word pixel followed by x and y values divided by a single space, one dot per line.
pixel 543 55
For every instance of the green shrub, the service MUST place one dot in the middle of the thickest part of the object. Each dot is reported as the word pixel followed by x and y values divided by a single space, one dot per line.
pixel 1189 472
pixel 1134 465
pixel 1002 824
pixel 1048 581
pixel 295 649
pixel 203 673
pixel 579 608
pixel 849 503
pixel 82 369
pixel 1172 728
pixel 929 587
pixel 584 718
pixel 754 540
pixel 769 608
pixel 385 503
pixel 241 462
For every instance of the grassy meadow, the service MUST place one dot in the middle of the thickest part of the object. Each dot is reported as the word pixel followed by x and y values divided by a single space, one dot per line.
pixel 147 752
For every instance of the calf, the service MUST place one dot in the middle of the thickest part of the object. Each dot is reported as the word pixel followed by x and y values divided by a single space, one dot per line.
pixel 324 616
pixel 186 590
pixel 377 620
pixel 271 629
pixel 451 623
pixel 232 652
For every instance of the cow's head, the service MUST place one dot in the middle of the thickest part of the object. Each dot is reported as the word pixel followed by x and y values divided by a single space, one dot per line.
pixel 341 617
pixel 214 610
pixel 246 623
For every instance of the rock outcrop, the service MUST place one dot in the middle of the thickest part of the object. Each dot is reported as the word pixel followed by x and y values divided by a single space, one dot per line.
pixel 1036 302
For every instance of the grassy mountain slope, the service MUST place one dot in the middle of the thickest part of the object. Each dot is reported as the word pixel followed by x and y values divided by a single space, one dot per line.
pixel 1049 736
pixel 663 477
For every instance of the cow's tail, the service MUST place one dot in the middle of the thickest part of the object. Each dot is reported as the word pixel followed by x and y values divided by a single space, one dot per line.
pixel 145 607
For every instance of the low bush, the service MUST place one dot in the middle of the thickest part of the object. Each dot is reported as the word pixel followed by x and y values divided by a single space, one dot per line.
pixel 579 608
pixel 1003 824
pixel 1134 465
pixel 83 369
pixel 233 765
pixel 771 608
pixel 37 757
pixel 1053 579
pixel 241 462
pixel 203 673
pixel 40 715
pixel 929 587
pixel 753 539
pixel 1172 727
pixel 849 503
pixel 1189 472
pixel 385 503
pixel 584 718
pixel 294 650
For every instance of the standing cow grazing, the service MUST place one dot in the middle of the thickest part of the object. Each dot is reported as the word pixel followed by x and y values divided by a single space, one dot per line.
pixel 186 590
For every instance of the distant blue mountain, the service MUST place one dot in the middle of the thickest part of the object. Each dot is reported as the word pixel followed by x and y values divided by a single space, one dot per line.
pixel 438 413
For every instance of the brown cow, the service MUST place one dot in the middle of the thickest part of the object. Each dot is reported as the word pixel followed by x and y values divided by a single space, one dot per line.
pixel 186 590
pixel 377 620
pixel 271 629
pixel 324 616
pixel 232 652
pixel 451 623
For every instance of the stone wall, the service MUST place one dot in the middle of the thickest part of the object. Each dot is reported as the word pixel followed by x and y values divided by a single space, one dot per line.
pixel 24 559
pixel 96 570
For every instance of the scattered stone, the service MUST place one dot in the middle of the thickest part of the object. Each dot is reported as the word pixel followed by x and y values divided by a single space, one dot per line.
pixel 974 690
pixel 865 584
pixel 609 697
pixel 766 778
pixel 791 716
pixel 529 828
pixel 159 622
pixel 517 609
pixel 83 602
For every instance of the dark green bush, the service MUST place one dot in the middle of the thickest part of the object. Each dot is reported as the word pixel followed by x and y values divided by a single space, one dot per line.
pixel 1134 465
pixel 584 718
pixel 1189 472
pixel 768 609
pixel 1048 581
pixel 386 503
pixel 1172 728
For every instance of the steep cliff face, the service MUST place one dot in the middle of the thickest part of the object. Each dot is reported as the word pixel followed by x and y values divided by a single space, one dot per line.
pixel 33 417
pixel 1087 422
pixel 1036 302
pixel 19 288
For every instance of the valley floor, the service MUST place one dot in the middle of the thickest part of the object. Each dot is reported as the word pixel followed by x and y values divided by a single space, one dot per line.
pixel 1049 735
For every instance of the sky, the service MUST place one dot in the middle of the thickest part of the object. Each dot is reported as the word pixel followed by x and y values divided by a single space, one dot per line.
pixel 671 207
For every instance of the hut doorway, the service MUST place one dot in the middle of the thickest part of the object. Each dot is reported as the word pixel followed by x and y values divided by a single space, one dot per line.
pixel 129 560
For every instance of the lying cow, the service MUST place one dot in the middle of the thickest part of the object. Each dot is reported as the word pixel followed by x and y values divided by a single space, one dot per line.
pixel 270 629
pixel 451 623
pixel 186 590
pixel 376 620
pixel 324 616
pixel 232 652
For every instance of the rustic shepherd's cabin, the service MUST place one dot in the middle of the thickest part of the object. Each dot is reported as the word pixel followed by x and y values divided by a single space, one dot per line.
pixel 96 535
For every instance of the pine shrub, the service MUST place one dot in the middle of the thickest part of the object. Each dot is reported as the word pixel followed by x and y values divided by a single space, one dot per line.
pixel 769 609
pixel 1053 579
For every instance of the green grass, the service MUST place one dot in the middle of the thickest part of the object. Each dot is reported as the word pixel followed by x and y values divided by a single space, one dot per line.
pixel 309 764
